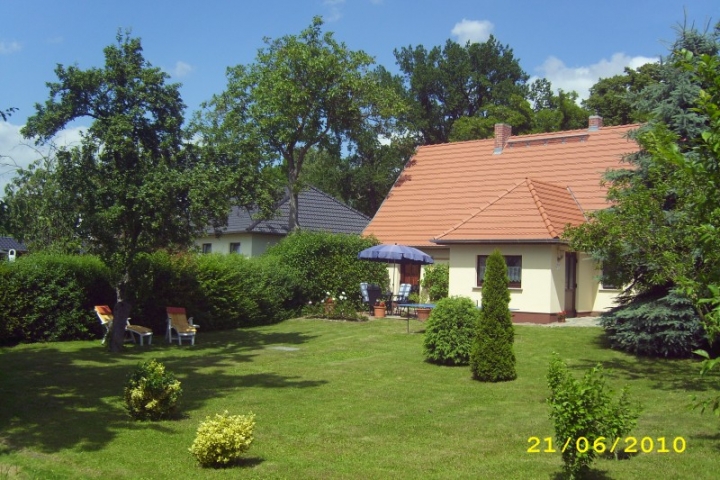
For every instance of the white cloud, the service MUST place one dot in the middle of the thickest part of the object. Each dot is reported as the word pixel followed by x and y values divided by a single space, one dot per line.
pixel 16 152
pixel 473 31
pixel 7 48
pixel 580 79
pixel 334 14
pixel 181 69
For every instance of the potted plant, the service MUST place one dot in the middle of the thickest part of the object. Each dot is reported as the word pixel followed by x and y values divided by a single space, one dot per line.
pixel 329 304
pixel 561 316
pixel 423 313
pixel 379 309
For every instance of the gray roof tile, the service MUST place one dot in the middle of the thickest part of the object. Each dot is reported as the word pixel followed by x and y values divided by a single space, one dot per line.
pixel 317 211
pixel 6 243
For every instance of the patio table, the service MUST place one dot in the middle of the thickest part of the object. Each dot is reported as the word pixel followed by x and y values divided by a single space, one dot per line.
pixel 414 306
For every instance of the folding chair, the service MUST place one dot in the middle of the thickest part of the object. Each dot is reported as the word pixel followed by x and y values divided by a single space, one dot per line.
pixel 105 315
pixel 183 327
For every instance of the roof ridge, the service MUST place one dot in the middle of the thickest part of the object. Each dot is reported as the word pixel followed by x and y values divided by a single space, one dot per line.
pixel 541 208
pixel 482 209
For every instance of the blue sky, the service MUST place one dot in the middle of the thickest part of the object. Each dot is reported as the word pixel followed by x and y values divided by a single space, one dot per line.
pixel 572 43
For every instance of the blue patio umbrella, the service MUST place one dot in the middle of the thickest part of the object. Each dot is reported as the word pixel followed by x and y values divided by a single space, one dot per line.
pixel 395 254
pixel 401 254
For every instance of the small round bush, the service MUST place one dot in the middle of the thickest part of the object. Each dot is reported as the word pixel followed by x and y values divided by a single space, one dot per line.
pixel 450 330
pixel 151 393
pixel 221 440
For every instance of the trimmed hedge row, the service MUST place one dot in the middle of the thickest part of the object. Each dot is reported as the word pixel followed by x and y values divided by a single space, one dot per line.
pixel 51 297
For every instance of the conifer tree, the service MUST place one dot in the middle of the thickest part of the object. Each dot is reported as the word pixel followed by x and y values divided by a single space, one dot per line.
pixel 492 358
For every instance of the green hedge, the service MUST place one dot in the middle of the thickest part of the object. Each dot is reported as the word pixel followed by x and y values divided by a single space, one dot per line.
pixel 328 263
pixel 51 297
pixel 219 291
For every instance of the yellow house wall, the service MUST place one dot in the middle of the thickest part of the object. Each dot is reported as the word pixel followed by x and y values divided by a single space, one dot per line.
pixel 591 296
pixel 541 281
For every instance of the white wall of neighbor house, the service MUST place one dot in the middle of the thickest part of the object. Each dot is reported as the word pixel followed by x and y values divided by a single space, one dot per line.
pixel 540 281
pixel 251 245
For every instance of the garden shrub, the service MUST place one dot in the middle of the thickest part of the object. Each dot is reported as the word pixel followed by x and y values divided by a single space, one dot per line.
pixel 327 262
pixel 50 297
pixel 584 409
pixel 236 291
pixel 450 330
pixel 655 324
pixel 221 440
pixel 151 393
pixel 162 279
pixel 492 358
pixel 436 281
pixel 335 307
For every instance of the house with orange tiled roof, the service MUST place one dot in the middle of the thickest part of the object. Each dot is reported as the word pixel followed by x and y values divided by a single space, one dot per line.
pixel 459 201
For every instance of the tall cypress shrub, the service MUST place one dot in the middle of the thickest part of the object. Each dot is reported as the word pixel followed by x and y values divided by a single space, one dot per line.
pixel 492 358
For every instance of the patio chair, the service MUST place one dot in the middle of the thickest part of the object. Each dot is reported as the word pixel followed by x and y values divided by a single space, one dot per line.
pixel 105 315
pixel 401 297
pixel 183 327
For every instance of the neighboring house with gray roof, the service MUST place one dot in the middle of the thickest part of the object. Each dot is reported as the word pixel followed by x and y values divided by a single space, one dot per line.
pixel 9 243
pixel 317 211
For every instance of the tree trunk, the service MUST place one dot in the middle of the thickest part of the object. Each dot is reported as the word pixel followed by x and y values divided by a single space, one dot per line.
pixel 121 313
pixel 293 174
pixel 293 222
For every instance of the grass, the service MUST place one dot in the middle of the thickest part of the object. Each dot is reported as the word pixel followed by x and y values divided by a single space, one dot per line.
pixel 333 400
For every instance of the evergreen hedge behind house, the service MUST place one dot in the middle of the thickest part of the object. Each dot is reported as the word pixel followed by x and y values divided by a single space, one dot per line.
pixel 50 297
pixel 327 262
pixel 655 324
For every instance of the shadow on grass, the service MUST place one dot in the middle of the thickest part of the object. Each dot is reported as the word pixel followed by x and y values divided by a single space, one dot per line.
pixel 664 374
pixel 61 396
pixel 713 439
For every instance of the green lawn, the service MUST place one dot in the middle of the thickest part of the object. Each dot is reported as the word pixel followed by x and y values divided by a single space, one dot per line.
pixel 333 400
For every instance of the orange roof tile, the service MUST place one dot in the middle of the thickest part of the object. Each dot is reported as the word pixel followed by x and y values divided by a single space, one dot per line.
pixel 530 210
pixel 465 192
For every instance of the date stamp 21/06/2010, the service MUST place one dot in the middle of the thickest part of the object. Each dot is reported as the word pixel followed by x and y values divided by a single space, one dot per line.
pixel 602 445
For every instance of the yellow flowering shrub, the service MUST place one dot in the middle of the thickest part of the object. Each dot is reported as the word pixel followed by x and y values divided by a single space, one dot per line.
pixel 222 439
pixel 151 393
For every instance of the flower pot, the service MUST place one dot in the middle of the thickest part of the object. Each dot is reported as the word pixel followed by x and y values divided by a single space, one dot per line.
pixel 379 311
pixel 423 313
pixel 329 307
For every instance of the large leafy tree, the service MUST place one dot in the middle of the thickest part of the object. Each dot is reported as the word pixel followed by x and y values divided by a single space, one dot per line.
pixel 303 92
pixel 613 98
pixel 454 82
pixel 39 210
pixel 362 178
pixel 644 241
pixel 134 181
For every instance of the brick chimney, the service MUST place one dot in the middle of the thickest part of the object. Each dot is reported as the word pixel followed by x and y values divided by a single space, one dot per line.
pixel 595 123
pixel 502 135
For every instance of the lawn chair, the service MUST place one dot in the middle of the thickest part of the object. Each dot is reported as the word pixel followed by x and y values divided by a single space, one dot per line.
pixel 183 327
pixel 371 293
pixel 401 297
pixel 131 331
